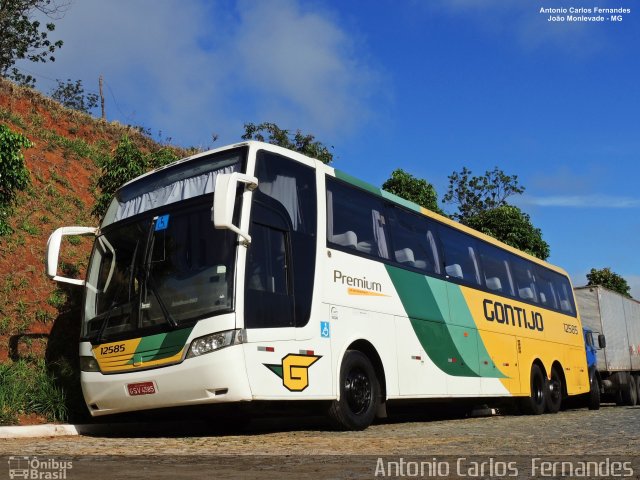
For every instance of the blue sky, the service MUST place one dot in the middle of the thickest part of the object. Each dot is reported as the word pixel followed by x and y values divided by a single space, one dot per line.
pixel 429 86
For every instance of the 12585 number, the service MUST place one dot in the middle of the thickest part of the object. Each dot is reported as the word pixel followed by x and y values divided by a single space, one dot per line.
pixel 112 349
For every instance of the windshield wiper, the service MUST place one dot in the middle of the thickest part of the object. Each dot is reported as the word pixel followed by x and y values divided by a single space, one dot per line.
pixel 147 282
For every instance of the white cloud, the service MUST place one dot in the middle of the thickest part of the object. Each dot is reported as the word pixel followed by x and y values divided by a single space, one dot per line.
pixel 193 68
pixel 580 201
pixel 526 25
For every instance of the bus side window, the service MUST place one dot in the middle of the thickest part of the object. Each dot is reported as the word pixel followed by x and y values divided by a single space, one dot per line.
pixel 460 255
pixel 356 220
pixel 495 266
pixel 565 294
pixel 414 243
pixel 293 185
pixel 524 279
pixel 546 289
pixel 268 299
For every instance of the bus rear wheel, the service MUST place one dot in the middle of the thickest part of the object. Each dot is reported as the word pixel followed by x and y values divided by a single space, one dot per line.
pixel 535 403
pixel 359 393
pixel 554 392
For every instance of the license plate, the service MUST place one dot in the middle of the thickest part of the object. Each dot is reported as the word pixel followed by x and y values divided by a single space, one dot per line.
pixel 142 388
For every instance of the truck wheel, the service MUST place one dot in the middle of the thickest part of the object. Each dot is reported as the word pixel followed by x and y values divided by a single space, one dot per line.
pixel 359 393
pixel 628 391
pixel 534 404
pixel 554 392
pixel 594 391
pixel 638 388
pixel 633 390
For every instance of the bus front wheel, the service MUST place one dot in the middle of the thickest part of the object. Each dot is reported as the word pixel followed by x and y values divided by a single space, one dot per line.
pixel 535 403
pixel 359 393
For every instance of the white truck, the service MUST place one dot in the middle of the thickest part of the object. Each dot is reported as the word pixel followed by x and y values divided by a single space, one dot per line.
pixel 618 362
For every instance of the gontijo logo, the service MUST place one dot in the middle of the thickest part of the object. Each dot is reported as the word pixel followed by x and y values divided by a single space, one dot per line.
pixel 294 370
pixel 358 286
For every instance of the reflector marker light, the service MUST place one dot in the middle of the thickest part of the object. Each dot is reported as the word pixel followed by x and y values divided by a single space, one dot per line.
pixel 306 352
pixel 266 349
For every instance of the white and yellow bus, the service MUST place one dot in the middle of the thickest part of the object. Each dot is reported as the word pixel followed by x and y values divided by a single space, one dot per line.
pixel 253 273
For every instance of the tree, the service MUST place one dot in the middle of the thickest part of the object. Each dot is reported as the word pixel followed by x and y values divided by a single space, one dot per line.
pixel 512 226
pixel 608 279
pixel 299 142
pixel 72 95
pixel 127 163
pixel 473 195
pixel 25 38
pixel 14 175
pixel 416 190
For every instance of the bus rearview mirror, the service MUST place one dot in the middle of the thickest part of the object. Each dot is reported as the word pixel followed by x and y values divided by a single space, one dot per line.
pixel 53 251
pixel 224 199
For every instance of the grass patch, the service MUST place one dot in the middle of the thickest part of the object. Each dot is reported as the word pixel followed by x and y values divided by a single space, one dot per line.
pixel 57 299
pixel 29 387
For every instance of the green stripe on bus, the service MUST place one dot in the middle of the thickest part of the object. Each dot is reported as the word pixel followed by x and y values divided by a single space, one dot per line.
pixel 357 182
pixel 442 322
pixel 405 203
pixel 162 345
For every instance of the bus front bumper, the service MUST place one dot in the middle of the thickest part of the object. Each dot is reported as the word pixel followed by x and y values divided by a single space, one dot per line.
pixel 216 377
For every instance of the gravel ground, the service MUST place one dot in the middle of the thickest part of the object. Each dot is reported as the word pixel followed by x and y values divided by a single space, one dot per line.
pixel 289 448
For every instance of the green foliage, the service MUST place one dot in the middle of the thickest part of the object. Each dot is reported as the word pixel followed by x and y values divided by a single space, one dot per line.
pixel 161 157
pixel 299 142
pixel 414 189
pixel 127 163
pixel 30 388
pixel 14 175
pixel 512 226
pixel 24 38
pixel 473 195
pixel 608 279
pixel 72 95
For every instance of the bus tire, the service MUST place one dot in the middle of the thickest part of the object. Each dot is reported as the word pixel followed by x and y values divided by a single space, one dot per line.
pixel 594 391
pixel 637 375
pixel 359 393
pixel 553 397
pixel 535 403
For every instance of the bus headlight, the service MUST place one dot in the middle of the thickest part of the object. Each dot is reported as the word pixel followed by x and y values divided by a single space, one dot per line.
pixel 89 364
pixel 215 341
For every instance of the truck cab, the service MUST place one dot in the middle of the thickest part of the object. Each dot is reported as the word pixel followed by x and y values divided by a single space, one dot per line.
pixel 595 381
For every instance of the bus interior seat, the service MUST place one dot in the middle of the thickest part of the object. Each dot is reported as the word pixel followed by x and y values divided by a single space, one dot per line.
pixel 421 264
pixel 346 239
pixel 365 247
pixel 526 293
pixel 494 283
pixel 565 306
pixel 405 255
pixel 543 298
pixel 454 270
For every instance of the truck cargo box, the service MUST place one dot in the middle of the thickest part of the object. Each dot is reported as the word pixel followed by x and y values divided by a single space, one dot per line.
pixel 618 318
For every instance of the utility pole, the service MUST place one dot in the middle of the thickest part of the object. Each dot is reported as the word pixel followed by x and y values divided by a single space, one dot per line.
pixel 104 117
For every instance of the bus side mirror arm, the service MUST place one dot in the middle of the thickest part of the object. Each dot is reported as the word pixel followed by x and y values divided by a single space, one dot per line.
pixel 224 200
pixel 53 252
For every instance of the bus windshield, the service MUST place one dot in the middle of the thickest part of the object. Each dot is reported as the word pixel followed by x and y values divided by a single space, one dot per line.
pixel 160 270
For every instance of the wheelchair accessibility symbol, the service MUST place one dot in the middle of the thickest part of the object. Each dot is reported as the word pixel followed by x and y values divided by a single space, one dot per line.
pixel 325 331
